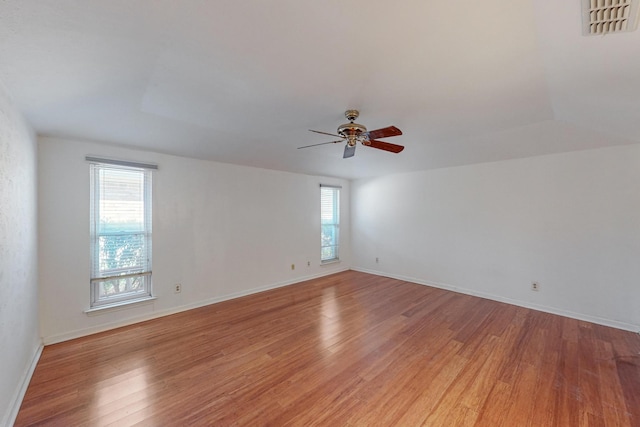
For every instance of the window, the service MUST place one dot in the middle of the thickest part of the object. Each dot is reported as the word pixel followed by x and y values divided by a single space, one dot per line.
pixel 120 232
pixel 329 222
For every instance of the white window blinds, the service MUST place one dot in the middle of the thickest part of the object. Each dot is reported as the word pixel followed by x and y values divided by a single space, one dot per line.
pixel 120 233
pixel 329 223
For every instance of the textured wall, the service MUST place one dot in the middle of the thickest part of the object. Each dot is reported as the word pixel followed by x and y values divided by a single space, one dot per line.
pixel 568 221
pixel 19 333
pixel 220 230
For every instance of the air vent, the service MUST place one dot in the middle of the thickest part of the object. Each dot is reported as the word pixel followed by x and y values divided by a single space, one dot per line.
pixel 608 16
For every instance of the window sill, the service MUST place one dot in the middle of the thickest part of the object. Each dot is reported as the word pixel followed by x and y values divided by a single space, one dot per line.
pixel 331 261
pixel 118 306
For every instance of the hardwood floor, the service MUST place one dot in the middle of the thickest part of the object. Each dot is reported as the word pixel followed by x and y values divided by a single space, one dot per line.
pixel 350 349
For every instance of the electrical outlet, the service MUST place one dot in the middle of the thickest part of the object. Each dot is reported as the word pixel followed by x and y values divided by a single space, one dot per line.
pixel 535 286
pixel 377 260
pixel 308 263
pixel 293 266
pixel 178 288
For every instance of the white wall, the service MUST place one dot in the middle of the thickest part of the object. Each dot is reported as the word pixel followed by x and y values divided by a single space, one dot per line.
pixel 19 336
pixel 569 221
pixel 220 230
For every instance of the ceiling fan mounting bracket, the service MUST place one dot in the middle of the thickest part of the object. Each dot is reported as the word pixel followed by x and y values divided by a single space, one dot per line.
pixel 351 115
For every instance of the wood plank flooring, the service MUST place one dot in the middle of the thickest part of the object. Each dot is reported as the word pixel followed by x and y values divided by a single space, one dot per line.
pixel 349 349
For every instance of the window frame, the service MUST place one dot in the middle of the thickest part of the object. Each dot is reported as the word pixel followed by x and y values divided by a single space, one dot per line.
pixel 335 224
pixel 144 272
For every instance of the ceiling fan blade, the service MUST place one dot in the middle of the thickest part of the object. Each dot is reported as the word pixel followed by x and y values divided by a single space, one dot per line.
pixel 326 133
pixel 384 132
pixel 381 145
pixel 322 143
pixel 349 151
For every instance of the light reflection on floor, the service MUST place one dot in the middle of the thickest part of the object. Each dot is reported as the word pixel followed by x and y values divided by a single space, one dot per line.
pixel 120 396
pixel 330 322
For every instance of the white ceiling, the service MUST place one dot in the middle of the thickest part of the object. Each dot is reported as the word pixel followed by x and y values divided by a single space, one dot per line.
pixel 243 81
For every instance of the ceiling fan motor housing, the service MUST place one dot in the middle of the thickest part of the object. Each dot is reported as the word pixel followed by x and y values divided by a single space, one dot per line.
pixel 351 129
pixel 354 132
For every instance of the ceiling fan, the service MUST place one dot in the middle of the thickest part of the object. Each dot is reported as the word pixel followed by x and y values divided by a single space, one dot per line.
pixel 353 133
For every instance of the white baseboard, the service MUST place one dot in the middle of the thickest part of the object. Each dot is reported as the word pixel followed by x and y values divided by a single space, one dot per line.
pixel 552 310
pixel 10 417
pixel 53 339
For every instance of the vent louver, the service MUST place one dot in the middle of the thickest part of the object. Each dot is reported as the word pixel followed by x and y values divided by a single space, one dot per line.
pixel 608 16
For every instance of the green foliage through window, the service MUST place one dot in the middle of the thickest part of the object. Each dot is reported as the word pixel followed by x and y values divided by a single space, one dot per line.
pixel 120 233
pixel 330 223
